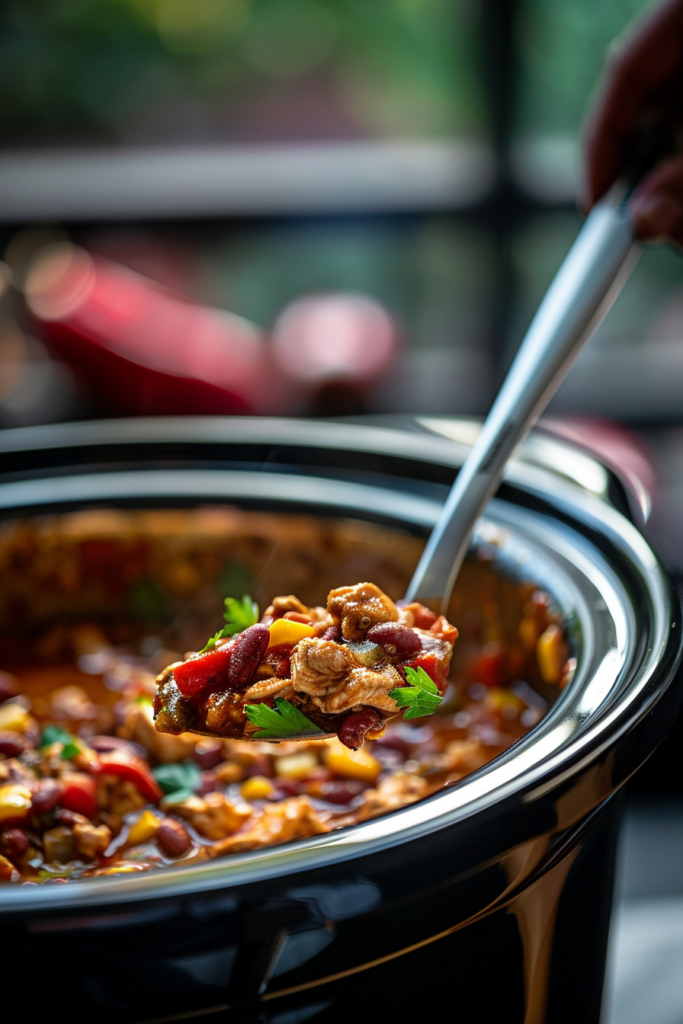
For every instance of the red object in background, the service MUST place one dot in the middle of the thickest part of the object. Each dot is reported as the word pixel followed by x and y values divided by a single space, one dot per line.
pixel 142 350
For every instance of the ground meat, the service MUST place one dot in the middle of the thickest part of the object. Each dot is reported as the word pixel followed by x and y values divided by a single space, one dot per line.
pixel 295 818
pixel 287 603
pixel 359 607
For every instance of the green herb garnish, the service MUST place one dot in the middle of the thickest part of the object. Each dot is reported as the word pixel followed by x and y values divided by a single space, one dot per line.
pixel 422 697
pixel 183 777
pixel 55 734
pixel 70 749
pixel 276 725
pixel 238 615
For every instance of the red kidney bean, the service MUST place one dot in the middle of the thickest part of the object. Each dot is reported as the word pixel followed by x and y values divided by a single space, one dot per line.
pixel 173 838
pixel 250 647
pixel 207 784
pixel 208 753
pixel 103 744
pixel 333 633
pixel 286 787
pixel 12 744
pixel 395 640
pixel 66 817
pixel 393 742
pixel 340 792
pixel 13 843
pixel 354 727
pixel 46 796
pixel 261 765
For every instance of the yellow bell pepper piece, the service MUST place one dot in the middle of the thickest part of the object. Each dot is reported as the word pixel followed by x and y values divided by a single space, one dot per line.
pixel 551 654
pixel 144 829
pixel 14 718
pixel 296 766
pixel 284 631
pixel 258 787
pixel 351 764
pixel 15 801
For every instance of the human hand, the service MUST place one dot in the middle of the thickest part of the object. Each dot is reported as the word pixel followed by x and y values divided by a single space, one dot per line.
pixel 644 79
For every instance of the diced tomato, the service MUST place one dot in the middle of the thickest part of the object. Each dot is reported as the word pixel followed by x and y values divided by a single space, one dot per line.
pixel 443 629
pixel 195 675
pixel 128 766
pixel 78 793
pixel 489 667
pixel 432 666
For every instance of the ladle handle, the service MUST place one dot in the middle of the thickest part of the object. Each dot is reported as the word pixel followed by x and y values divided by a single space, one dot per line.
pixel 586 285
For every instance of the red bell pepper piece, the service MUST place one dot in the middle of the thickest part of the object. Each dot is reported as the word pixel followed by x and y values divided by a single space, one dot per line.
pixel 128 766
pixel 489 667
pixel 196 674
pixel 430 663
pixel 78 793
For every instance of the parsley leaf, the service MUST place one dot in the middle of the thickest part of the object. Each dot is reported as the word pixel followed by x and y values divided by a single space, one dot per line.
pixel 238 615
pixel 286 721
pixel 422 697
pixel 55 734
pixel 181 777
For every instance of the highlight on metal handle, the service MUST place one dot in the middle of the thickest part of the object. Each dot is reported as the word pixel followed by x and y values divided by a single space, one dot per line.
pixel 584 289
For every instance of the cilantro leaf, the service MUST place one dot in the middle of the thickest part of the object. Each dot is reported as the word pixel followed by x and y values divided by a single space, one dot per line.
pixel 70 750
pixel 286 721
pixel 181 777
pixel 238 615
pixel 422 697
pixel 55 734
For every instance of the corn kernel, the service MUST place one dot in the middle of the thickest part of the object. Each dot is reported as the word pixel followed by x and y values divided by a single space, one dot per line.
pixel 296 766
pixel 551 654
pixel 284 631
pixel 498 699
pixel 14 718
pixel 144 829
pixel 351 764
pixel 528 632
pixel 258 787
pixel 15 802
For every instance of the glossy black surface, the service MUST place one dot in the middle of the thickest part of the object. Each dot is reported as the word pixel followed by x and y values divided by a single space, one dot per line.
pixel 494 896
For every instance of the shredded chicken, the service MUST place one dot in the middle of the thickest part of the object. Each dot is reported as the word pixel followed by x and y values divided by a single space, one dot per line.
pixel 214 816
pixel 393 791
pixel 360 607
pixel 268 688
pixel 320 666
pixel 91 840
pixel 295 818
pixel 363 686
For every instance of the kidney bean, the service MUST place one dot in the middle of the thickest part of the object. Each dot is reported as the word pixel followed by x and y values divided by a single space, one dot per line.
pixel 395 640
pixel 250 647
pixel 173 838
pixel 340 792
pixel 354 727
pixel 333 633
pixel 286 787
pixel 394 742
pixel 12 744
pixel 13 843
pixel 46 796
pixel 207 784
pixel 103 744
pixel 208 753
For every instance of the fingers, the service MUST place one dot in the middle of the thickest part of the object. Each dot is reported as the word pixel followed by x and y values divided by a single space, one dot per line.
pixel 644 73
pixel 657 205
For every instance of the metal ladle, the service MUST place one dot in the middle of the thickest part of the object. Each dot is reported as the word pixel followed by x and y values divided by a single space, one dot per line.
pixel 584 289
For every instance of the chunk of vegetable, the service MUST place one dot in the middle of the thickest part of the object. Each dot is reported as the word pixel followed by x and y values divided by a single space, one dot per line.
pixel 78 793
pixel 128 766
pixel 258 787
pixel 144 829
pixel 351 764
pixel 284 631
pixel 195 674
pixel 551 652
pixel 15 802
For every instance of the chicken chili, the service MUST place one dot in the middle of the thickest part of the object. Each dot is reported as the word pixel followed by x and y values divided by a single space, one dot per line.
pixel 90 787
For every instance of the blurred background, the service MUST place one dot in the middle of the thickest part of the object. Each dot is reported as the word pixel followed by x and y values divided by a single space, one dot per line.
pixel 376 193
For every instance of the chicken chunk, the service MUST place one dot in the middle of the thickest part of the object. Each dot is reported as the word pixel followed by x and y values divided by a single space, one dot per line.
pixel 283 822
pixel 359 607
pixel 320 666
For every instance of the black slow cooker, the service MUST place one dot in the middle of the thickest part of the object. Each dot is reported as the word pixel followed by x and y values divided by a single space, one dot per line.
pixel 488 901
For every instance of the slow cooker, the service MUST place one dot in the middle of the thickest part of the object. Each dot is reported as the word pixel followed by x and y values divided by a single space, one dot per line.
pixel 491 899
